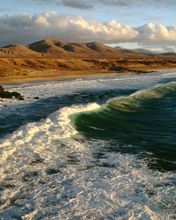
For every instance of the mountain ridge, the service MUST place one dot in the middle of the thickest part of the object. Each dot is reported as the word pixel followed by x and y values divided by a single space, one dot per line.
pixel 53 47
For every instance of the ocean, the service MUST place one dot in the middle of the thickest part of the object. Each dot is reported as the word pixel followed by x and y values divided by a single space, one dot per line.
pixel 90 148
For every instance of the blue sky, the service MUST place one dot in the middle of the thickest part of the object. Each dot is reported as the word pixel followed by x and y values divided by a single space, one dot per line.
pixel 132 13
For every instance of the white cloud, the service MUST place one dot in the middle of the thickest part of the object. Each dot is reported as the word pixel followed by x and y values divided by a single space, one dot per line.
pixel 23 28
pixel 153 32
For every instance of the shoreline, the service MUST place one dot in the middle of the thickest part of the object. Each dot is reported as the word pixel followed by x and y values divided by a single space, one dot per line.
pixel 71 76
pixel 62 77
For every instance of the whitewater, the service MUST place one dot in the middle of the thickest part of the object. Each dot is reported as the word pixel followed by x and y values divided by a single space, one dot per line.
pixel 91 148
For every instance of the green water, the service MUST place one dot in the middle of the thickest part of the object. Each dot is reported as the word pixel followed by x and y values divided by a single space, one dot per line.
pixel 143 123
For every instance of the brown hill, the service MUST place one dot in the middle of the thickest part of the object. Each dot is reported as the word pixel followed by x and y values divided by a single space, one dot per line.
pixel 57 47
pixel 48 46
pixel 134 52
pixel 18 50
pixel 100 47
pixel 54 47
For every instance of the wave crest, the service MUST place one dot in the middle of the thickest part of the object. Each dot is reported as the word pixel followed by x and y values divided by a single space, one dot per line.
pixel 140 98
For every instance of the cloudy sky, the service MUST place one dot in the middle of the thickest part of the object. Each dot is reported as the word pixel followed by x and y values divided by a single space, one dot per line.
pixel 146 24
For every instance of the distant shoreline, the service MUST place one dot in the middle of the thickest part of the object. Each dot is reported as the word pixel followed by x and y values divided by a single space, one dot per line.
pixel 68 76
pixel 59 78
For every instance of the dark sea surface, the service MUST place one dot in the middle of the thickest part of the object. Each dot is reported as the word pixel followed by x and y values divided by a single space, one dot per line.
pixel 95 148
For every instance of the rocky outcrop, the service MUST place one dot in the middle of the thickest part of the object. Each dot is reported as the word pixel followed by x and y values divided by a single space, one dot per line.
pixel 1 89
pixel 9 95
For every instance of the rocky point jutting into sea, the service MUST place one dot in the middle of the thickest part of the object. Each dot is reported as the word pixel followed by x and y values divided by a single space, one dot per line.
pixel 8 95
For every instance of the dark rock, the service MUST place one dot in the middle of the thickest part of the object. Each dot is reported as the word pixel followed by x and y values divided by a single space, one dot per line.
pixel 52 170
pixel 36 97
pixel 30 176
pixel 9 95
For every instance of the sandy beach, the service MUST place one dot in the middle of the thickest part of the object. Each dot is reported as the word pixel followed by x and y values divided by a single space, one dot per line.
pixel 20 74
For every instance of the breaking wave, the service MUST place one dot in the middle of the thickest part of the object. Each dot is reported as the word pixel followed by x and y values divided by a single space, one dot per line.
pixel 145 120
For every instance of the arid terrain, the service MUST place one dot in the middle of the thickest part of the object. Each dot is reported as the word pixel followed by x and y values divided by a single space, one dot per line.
pixel 51 58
